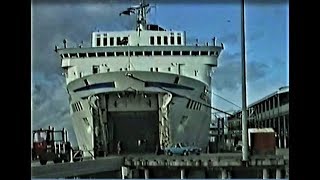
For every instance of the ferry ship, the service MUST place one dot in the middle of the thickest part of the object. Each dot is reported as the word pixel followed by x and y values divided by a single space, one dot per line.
pixel 145 88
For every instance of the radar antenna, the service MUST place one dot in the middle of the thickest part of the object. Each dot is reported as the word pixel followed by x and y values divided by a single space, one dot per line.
pixel 141 11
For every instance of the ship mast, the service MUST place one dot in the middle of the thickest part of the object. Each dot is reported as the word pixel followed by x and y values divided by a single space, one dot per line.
pixel 142 15
pixel 141 12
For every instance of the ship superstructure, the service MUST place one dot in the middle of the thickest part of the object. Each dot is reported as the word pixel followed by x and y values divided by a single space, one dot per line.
pixel 144 85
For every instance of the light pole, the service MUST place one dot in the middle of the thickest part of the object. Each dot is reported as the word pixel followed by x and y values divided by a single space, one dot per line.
pixel 244 97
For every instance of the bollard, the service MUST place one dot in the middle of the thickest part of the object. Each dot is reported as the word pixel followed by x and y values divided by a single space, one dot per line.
pixel 265 174
pixel 124 172
pixel 224 174
pixel 278 173
pixel 146 173
pixel 71 156
pixel 182 174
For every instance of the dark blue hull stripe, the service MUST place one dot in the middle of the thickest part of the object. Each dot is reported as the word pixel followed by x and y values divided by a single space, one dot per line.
pixel 166 85
pixel 96 86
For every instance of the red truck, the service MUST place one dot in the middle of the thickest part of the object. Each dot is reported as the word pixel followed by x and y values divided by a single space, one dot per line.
pixel 51 145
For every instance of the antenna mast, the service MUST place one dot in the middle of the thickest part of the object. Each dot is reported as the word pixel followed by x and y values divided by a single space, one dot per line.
pixel 141 11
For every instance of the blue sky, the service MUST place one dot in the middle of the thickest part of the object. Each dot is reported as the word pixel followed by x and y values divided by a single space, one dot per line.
pixel 267 44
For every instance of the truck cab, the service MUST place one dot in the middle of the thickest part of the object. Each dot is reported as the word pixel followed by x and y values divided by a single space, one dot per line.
pixel 50 144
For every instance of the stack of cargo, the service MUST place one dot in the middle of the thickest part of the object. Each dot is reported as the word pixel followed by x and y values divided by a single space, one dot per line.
pixel 262 140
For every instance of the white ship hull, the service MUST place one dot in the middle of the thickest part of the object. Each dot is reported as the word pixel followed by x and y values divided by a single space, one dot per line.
pixel 160 108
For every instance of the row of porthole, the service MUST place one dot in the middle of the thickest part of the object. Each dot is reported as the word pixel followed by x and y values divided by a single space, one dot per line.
pixel 194 105
pixel 141 53
pixel 76 106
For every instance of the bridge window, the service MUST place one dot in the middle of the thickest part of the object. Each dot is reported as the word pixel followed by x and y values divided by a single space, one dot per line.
pixel 195 53
pixel 159 40
pixel 165 40
pixel 66 55
pixel 157 53
pixel 185 53
pixel 111 41
pixel 179 40
pixel 152 40
pixel 172 40
pixel 105 41
pixel 118 41
pixel 176 53
pixel 119 53
pixel 110 53
pixel 166 53
pixel 73 55
pixel 92 54
pixel 101 54
pixel 204 53
pixel 138 53
pixel 82 55
pixel 148 53
pixel 98 41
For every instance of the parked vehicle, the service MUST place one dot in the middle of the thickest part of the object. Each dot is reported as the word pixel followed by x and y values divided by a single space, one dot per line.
pixel 181 149
pixel 50 144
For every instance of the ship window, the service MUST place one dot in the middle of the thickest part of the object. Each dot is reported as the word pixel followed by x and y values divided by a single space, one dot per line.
pixel 138 53
pixel 176 80
pixel 148 53
pixel 176 53
pixel 92 54
pixel 131 53
pixel 157 69
pixel 157 53
pixel 98 41
pixel 105 41
pixel 73 55
pixel 211 53
pixel 108 70
pixel 95 69
pixel 152 40
pixel 66 55
pixel 118 41
pixel 82 55
pixel 204 53
pixel 195 53
pixel 165 40
pixel 151 69
pixel 169 68
pixel 111 41
pixel 119 53
pixel 101 54
pixel 196 72
pixel 166 53
pixel 86 82
pixel 110 53
pixel 217 53
pixel 159 40
pixel 179 40
pixel 185 53
pixel 120 69
pixel 172 40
